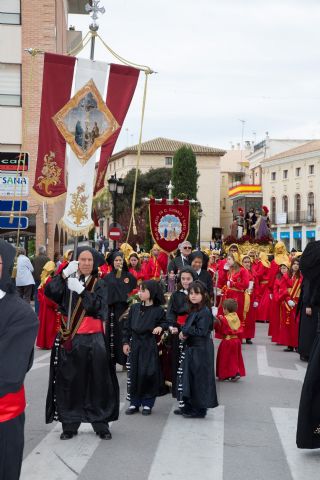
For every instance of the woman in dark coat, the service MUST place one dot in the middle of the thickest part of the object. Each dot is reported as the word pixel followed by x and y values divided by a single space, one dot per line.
pixel 308 429
pixel 199 262
pixel 119 282
pixel 145 321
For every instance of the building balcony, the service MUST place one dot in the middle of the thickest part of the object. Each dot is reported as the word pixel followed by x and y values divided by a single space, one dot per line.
pixel 244 190
pixel 293 218
pixel 77 6
pixel 74 40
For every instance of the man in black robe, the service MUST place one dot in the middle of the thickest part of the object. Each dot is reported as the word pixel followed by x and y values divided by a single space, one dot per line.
pixel 308 430
pixel 83 385
pixel 308 319
pixel 18 330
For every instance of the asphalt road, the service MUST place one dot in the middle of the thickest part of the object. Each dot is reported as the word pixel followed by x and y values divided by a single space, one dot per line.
pixel 250 436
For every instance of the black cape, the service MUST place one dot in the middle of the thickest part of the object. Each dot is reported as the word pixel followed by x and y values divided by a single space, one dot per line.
pixel 146 379
pixel 308 431
pixel 83 385
pixel 199 386
pixel 307 323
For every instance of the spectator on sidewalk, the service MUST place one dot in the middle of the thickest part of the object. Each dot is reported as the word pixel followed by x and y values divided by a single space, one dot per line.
pixel 24 279
pixel 38 263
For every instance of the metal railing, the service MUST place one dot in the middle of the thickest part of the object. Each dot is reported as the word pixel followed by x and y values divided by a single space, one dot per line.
pixel 298 217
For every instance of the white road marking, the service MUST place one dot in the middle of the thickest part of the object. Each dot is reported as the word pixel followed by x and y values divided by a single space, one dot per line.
pixel 42 357
pixel 190 448
pixel 37 360
pixel 54 459
pixel 264 369
pixel 303 464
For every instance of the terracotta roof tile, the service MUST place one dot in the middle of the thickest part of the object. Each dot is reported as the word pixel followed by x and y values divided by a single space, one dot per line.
pixel 167 146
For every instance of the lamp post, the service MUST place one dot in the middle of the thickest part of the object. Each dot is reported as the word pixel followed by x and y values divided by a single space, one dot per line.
pixel 116 187
pixel 200 215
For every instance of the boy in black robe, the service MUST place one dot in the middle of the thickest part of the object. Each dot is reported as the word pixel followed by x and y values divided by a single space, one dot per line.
pixel 18 330
pixel 83 385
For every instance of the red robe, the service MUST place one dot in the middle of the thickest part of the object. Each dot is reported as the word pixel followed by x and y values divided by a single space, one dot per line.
pixel 229 356
pixel 279 290
pixel 49 319
pixel 104 270
pixel 249 329
pixel 238 284
pixel 139 276
pixel 263 293
pixel 289 324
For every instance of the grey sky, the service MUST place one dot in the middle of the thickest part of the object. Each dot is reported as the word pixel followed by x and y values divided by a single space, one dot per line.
pixel 218 61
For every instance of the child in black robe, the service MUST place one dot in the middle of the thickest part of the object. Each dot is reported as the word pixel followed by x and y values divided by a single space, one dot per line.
pixel 144 322
pixel 198 383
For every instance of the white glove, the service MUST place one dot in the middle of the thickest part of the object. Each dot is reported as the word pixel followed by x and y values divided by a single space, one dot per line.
pixel 226 267
pixel 291 303
pixel 251 283
pixel 71 268
pixel 271 296
pixel 75 285
pixel 255 304
pixel 219 291
pixel 228 283
pixel 214 311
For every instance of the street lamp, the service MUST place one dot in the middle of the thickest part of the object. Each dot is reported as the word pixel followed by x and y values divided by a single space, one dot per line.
pixel 200 215
pixel 116 187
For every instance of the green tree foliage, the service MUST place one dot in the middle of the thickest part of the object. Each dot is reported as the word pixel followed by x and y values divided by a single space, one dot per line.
pixel 185 179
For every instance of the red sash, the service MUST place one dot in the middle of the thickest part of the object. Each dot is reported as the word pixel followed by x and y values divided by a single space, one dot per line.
pixel 181 319
pixel 12 405
pixel 90 325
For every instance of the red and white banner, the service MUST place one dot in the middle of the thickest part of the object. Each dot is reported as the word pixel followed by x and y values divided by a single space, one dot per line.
pixel 169 223
pixel 49 181
pixel 121 87
pixel 59 75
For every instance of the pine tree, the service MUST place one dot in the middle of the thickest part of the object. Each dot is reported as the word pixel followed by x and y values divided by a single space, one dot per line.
pixel 185 178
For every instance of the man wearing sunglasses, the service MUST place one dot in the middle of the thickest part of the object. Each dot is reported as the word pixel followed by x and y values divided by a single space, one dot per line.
pixel 182 260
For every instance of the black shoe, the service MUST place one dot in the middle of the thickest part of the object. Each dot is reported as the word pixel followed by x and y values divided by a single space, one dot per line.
pixel 132 410
pixel 288 349
pixel 193 415
pixel 248 341
pixel 105 435
pixel 178 411
pixel 67 435
pixel 146 411
pixel 304 359
pixel 235 378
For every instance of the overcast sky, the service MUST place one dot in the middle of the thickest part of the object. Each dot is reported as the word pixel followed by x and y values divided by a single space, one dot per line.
pixel 218 62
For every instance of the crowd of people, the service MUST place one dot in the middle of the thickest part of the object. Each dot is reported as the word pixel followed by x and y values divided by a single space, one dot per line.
pixel 154 314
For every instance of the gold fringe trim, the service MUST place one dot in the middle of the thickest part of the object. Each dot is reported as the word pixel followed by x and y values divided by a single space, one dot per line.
pixel 50 200
pixel 78 232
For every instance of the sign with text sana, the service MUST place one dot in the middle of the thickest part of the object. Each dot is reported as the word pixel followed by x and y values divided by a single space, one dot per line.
pixel 169 223
pixel 14 185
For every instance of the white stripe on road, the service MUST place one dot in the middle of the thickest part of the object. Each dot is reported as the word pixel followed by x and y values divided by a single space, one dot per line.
pixel 37 360
pixel 190 448
pixel 54 459
pixel 303 464
pixel 42 357
pixel 264 369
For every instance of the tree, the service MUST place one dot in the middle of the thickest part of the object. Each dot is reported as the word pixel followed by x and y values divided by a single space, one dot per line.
pixel 152 183
pixel 185 179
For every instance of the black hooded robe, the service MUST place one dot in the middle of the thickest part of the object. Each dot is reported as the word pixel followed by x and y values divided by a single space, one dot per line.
pixel 198 384
pixel 146 379
pixel 117 301
pixel 83 386
pixel 307 323
pixel 18 331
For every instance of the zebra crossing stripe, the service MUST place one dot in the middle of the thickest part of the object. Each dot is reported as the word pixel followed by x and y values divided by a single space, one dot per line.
pixel 190 446
pixel 303 464
pixel 53 459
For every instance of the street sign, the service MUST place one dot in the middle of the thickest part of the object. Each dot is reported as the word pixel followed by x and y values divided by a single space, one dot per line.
pixel 115 233
pixel 6 206
pixel 11 161
pixel 12 184
pixel 5 223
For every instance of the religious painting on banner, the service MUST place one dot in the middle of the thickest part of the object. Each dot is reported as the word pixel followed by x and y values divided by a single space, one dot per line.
pixel 169 223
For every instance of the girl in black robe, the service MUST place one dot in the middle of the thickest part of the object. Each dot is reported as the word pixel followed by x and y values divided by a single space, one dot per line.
pixel 177 312
pixel 18 331
pixel 144 322
pixel 83 385
pixel 119 283
pixel 198 385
